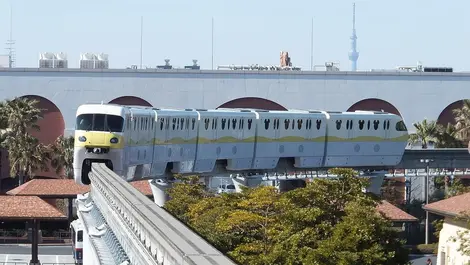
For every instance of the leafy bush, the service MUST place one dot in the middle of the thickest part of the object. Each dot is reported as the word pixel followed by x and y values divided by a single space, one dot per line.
pixel 424 249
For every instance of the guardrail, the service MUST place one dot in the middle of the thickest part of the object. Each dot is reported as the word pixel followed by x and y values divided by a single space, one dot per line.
pixel 148 233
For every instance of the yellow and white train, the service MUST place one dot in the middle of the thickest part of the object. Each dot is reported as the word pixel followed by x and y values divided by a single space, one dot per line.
pixel 138 142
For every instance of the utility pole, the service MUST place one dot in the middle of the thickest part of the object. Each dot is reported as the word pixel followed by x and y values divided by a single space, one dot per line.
pixel 141 39
pixel 426 194
pixel 212 44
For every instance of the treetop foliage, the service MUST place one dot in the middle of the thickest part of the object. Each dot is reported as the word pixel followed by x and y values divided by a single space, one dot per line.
pixel 327 222
pixel 18 119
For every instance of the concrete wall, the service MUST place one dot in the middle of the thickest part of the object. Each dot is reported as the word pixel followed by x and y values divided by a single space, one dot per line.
pixel 414 95
pixel 448 250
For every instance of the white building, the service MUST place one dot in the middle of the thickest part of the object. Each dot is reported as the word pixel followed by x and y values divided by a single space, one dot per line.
pixel 449 243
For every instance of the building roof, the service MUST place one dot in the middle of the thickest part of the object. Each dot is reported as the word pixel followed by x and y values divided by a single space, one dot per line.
pixel 64 188
pixel 394 213
pixel 143 186
pixel 453 206
pixel 27 207
pixel 52 188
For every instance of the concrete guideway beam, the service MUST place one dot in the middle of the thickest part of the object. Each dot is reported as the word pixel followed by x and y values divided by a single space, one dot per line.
pixel 438 158
pixel 161 236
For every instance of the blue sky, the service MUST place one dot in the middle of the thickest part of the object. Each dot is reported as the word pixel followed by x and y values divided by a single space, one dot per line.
pixel 390 33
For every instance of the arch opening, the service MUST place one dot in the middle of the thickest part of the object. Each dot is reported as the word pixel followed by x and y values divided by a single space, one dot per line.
pixel 131 101
pixel 447 114
pixel 252 103
pixel 374 104
pixel 51 126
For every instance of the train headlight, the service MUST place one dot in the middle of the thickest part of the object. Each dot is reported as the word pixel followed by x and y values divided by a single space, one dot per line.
pixel 114 140
pixel 82 139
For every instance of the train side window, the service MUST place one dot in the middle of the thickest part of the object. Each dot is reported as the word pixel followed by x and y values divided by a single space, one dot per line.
pixel 293 124
pixel 80 236
pixel 162 121
pixel 388 125
pixel 193 121
pixel 376 124
pixel 250 122
pixel 338 124
pixel 361 124
pixel 400 126
pixel 318 124
pixel 368 125
pixel 266 123
pixel 347 125
pixel 299 123
pixel 182 124
pixel 286 123
pixel 174 124
pixel 223 121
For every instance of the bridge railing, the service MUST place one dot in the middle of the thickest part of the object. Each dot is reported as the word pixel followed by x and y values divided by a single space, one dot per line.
pixel 148 234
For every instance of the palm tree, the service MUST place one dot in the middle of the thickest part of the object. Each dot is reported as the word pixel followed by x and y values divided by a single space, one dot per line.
pixel 426 132
pixel 22 114
pixel 447 137
pixel 62 155
pixel 462 120
pixel 26 154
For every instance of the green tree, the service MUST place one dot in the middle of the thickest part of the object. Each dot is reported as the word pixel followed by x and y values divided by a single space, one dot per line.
pixel 448 137
pixel 26 154
pixel 327 222
pixel 426 132
pixel 184 193
pixel 360 238
pixel 255 220
pixel 462 120
pixel 62 155
pixel 205 214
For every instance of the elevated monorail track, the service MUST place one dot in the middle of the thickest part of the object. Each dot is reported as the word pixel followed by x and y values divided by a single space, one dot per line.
pixel 147 233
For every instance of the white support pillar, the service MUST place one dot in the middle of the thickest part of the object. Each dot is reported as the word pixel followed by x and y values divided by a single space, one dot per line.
pixel 376 182
pixel 159 188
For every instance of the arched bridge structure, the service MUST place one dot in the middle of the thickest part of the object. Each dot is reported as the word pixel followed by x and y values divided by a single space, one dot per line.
pixel 414 96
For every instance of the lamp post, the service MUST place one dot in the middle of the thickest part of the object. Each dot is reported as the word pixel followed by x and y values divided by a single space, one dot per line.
pixel 426 194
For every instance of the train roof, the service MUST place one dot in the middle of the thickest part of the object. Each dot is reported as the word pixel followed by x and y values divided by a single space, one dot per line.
pixel 76 224
pixel 111 109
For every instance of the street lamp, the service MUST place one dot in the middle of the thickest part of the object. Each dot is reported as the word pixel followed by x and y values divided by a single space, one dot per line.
pixel 426 194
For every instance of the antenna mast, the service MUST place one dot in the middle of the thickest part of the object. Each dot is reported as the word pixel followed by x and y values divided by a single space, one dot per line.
pixel 311 48
pixel 212 44
pixel 10 42
pixel 141 39
pixel 354 54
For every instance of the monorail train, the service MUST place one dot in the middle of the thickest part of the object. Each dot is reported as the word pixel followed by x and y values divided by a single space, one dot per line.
pixel 139 141
pixel 76 229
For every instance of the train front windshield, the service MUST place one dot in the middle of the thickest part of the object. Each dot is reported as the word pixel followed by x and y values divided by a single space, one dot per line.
pixel 99 123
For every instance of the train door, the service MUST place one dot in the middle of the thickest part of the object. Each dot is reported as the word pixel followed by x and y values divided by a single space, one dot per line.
pixel 129 153
pixel 351 123
pixel 386 127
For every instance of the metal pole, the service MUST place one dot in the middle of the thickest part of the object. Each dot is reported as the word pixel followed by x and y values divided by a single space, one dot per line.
pixel 311 48
pixel 212 44
pixel 141 39
pixel 426 228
